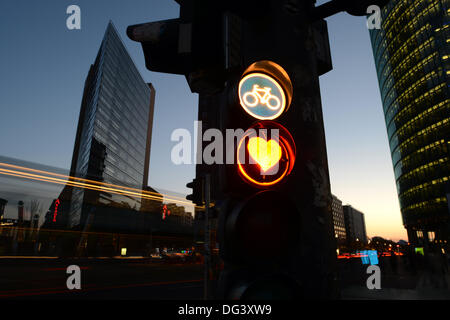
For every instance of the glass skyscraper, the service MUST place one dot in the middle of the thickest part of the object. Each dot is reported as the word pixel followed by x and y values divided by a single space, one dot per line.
pixel 411 52
pixel 114 131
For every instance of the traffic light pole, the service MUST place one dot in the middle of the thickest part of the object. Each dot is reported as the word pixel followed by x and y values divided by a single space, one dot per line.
pixel 207 255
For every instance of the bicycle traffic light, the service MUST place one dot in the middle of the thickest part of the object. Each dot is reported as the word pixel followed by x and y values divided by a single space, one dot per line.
pixel 265 149
pixel 275 229
pixel 260 225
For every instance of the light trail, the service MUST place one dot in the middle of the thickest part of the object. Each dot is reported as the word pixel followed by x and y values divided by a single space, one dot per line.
pixel 80 233
pixel 81 179
pixel 46 176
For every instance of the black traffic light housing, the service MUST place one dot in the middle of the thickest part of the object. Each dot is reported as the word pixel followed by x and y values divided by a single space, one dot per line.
pixel 263 225
pixel 359 7
pixel 251 284
pixel 255 242
pixel 190 45
pixel 276 240
pixel 162 46
pixel 197 195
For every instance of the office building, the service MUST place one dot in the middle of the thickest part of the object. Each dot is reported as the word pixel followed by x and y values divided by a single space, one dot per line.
pixel 355 225
pixel 338 220
pixel 412 58
pixel 113 137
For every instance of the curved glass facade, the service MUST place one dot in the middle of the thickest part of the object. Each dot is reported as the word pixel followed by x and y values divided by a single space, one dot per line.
pixel 412 59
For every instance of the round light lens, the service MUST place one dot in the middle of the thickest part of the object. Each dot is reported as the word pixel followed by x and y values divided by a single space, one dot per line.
pixel 261 96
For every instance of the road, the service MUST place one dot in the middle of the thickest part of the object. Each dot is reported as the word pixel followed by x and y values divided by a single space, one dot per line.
pixel 100 279
pixel 27 278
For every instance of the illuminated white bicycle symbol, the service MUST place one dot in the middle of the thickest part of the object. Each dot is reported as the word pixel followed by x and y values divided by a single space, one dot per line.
pixel 261 96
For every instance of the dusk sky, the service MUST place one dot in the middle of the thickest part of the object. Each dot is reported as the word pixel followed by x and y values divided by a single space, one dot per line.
pixel 44 65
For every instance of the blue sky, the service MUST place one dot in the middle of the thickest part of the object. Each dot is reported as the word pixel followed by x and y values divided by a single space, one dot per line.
pixel 43 67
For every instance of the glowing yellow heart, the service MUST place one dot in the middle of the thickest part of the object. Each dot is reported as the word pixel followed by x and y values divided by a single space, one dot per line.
pixel 266 154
